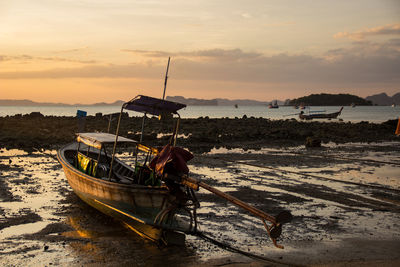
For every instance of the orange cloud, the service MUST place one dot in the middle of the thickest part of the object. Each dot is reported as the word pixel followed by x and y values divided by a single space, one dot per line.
pixel 390 29
pixel 210 54
pixel 74 50
pixel 213 72
pixel 33 58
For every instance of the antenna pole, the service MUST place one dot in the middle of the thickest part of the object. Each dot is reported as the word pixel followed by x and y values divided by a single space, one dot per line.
pixel 166 78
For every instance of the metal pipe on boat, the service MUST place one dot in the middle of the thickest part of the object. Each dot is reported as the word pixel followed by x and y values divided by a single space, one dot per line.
pixel 115 143
pixel 141 133
pixel 109 123
pixel 176 129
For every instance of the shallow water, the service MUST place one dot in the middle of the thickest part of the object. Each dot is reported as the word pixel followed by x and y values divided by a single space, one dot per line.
pixel 336 198
pixel 360 113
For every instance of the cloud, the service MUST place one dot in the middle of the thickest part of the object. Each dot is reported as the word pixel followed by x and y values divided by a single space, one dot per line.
pixel 92 71
pixel 73 50
pixel 390 29
pixel 34 58
pixel 363 63
pixel 210 54
pixel 153 54
pixel 246 15
pixel 19 58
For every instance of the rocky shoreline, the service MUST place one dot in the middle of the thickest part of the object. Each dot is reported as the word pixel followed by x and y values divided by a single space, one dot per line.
pixel 35 131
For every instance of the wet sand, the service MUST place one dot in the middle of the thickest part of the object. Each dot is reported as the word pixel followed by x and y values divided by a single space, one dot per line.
pixel 345 201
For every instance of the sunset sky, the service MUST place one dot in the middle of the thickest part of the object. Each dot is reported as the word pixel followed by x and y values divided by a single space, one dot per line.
pixel 87 51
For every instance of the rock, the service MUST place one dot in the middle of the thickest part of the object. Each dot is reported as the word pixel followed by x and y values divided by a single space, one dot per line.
pixel 35 114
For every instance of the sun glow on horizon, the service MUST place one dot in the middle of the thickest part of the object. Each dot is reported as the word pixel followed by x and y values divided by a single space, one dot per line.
pixel 102 51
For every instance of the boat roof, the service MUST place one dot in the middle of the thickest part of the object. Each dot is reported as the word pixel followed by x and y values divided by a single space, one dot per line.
pixel 153 106
pixel 98 139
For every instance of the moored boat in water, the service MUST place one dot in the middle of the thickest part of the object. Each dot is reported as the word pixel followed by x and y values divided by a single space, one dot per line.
pixel 310 116
pixel 273 104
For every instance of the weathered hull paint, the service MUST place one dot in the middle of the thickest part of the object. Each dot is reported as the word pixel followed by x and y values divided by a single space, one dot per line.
pixel 136 205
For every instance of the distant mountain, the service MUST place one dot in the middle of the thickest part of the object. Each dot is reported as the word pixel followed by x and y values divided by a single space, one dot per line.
pixel 384 100
pixel 330 100
pixel 180 99
pixel 193 101
pixel 25 102
pixel 396 99
pixel 12 102
pixel 216 101
pixel 116 103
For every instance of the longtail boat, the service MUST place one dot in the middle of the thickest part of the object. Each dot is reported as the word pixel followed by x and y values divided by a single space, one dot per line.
pixel 133 194
pixel 151 192
pixel 333 115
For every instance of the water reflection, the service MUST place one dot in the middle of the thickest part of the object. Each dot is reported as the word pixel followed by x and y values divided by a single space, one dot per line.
pixel 79 231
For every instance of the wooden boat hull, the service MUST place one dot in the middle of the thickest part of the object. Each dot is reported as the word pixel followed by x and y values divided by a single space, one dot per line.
pixel 136 205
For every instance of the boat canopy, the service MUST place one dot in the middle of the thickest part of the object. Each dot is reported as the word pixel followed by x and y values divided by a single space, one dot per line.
pixel 153 106
pixel 96 140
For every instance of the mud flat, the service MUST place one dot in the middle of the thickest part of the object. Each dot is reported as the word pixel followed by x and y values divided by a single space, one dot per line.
pixel 345 199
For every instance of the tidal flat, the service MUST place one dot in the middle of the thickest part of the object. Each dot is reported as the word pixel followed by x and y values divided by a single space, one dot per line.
pixel 34 131
pixel 345 199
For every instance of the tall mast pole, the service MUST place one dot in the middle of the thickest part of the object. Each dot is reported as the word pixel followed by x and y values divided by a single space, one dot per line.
pixel 166 78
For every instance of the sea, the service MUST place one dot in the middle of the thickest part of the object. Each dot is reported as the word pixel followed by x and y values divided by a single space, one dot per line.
pixel 375 114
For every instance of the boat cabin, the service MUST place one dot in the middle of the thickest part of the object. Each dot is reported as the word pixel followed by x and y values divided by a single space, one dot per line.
pixel 92 158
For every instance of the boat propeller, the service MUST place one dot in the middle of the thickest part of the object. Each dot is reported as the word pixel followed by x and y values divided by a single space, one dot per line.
pixel 275 230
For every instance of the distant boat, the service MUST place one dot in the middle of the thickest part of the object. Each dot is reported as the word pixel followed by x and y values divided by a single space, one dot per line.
pixel 393 105
pixel 333 115
pixel 273 104
pixel 236 106
pixel 353 105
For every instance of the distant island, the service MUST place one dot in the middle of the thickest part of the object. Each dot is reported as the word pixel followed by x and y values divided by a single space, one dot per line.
pixel 312 100
pixel 384 100
pixel 330 100
pixel 217 101
pixel 30 103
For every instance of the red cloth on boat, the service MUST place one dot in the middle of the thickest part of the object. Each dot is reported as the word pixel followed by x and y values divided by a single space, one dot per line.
pixel 178 156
